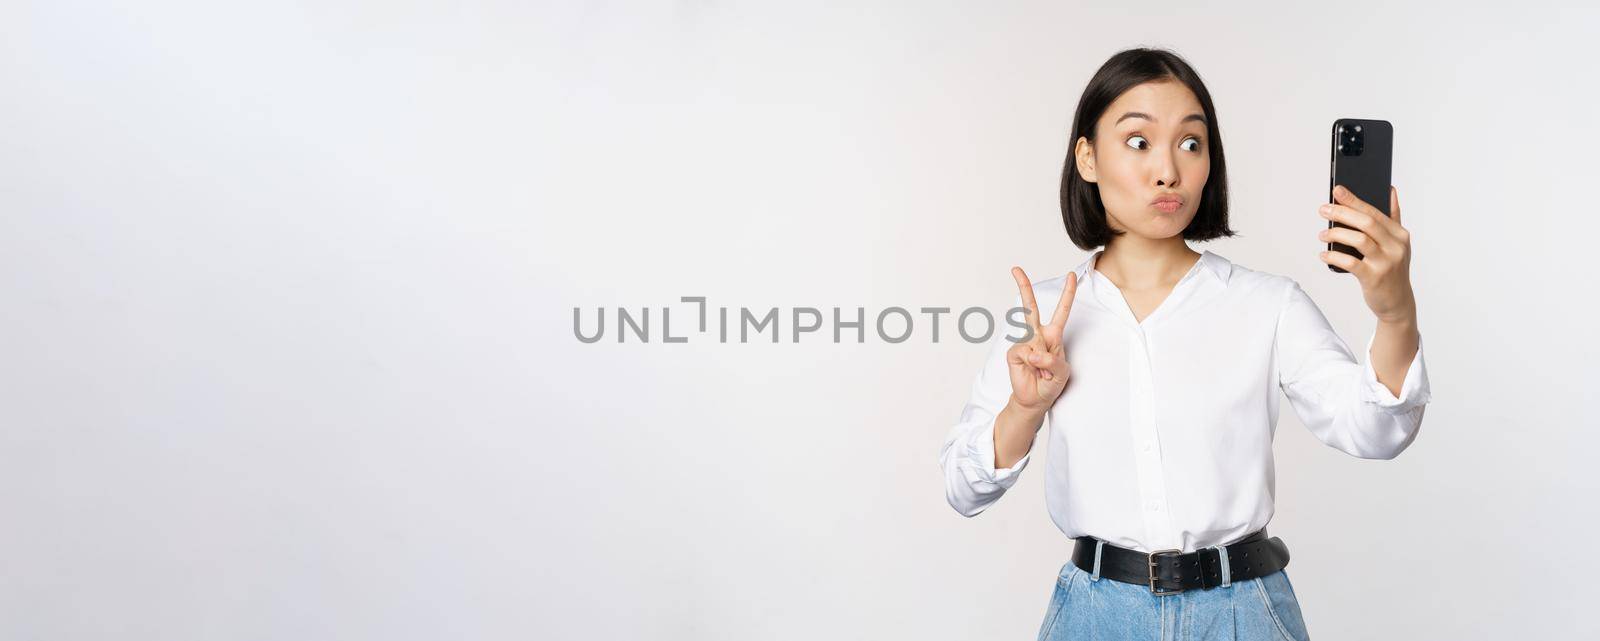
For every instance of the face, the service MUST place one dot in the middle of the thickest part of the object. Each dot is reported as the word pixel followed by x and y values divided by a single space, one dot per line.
pixel 1151 142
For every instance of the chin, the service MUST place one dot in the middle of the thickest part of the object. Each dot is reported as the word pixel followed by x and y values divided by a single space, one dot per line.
pixel 1161 229
pixel 1155 233
pixel 1175 225
pixel 1160 226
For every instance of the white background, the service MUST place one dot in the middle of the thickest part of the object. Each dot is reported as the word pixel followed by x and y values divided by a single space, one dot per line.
pixel 286 303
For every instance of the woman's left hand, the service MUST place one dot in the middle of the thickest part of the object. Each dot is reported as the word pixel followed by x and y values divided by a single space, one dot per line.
pixel 1384 269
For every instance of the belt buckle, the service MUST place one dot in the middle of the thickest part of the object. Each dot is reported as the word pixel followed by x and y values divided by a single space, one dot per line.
pixel 1151 558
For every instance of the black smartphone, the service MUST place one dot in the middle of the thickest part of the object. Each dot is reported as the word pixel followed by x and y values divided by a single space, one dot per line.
pixel 1363 153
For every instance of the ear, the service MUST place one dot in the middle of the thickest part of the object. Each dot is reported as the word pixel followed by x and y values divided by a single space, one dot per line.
pixel 1083 151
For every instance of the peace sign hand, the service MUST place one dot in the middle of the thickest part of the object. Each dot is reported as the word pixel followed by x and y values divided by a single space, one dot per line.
pixel 1039 369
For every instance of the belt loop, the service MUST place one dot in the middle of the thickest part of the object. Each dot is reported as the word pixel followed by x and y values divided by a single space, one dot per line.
pixel 1095 576
pixel 1227 574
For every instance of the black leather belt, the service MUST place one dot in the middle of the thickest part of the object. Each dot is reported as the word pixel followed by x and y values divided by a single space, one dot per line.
pixel 1171 571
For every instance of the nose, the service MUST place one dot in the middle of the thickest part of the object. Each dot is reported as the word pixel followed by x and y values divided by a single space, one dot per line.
pixel 1166 169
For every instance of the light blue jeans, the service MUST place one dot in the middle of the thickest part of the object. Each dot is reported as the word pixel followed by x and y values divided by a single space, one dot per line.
pixel 1086 607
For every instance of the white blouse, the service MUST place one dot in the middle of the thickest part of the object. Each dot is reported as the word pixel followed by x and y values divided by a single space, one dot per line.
pixel 1163 436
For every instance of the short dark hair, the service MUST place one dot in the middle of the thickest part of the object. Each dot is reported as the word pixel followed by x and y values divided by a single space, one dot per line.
pixel 1081 209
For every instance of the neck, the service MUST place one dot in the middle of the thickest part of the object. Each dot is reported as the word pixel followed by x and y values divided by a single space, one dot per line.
pixel 1133 262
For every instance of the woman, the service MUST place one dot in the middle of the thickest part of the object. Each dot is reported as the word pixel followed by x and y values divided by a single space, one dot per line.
pixel 1160 377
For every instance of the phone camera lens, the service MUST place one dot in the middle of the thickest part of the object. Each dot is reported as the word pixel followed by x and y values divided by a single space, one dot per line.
pixel 1352 142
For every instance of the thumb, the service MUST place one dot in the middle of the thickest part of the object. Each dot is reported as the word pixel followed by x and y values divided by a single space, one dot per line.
pixel 1394 204
pixel 1018 354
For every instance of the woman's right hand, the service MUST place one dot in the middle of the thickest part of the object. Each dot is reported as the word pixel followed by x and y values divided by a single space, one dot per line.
pixel 1039 369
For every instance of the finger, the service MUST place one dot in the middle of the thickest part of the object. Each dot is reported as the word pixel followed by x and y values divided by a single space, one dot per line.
pixel 1394 206
pixel 1026 289
pixel 1358 219
pixel 1348 198
pixel 1343 196
pixel 1043 360
pixel 1058 320
pixel 1044 363
pixel 1344 261
pixel 1354 238
pixel 1049 366
pixel 1058 365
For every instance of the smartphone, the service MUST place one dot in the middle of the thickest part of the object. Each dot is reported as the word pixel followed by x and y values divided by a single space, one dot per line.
pixel 1363 153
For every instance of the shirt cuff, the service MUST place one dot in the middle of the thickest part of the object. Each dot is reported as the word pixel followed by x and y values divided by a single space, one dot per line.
pixel 982 449
pixel 1414 391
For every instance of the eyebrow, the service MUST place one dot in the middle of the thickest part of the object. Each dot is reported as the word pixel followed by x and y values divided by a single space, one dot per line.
pixel 1135 114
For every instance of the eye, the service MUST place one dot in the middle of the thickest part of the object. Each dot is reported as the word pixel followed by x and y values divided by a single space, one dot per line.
pixel 1133 138
pixel 1194 140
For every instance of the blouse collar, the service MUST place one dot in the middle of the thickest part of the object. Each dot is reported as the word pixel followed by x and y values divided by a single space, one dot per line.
pixel 1210 263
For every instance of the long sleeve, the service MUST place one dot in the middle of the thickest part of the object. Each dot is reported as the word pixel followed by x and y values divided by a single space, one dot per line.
pixel 971 481
pixel 1338 399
